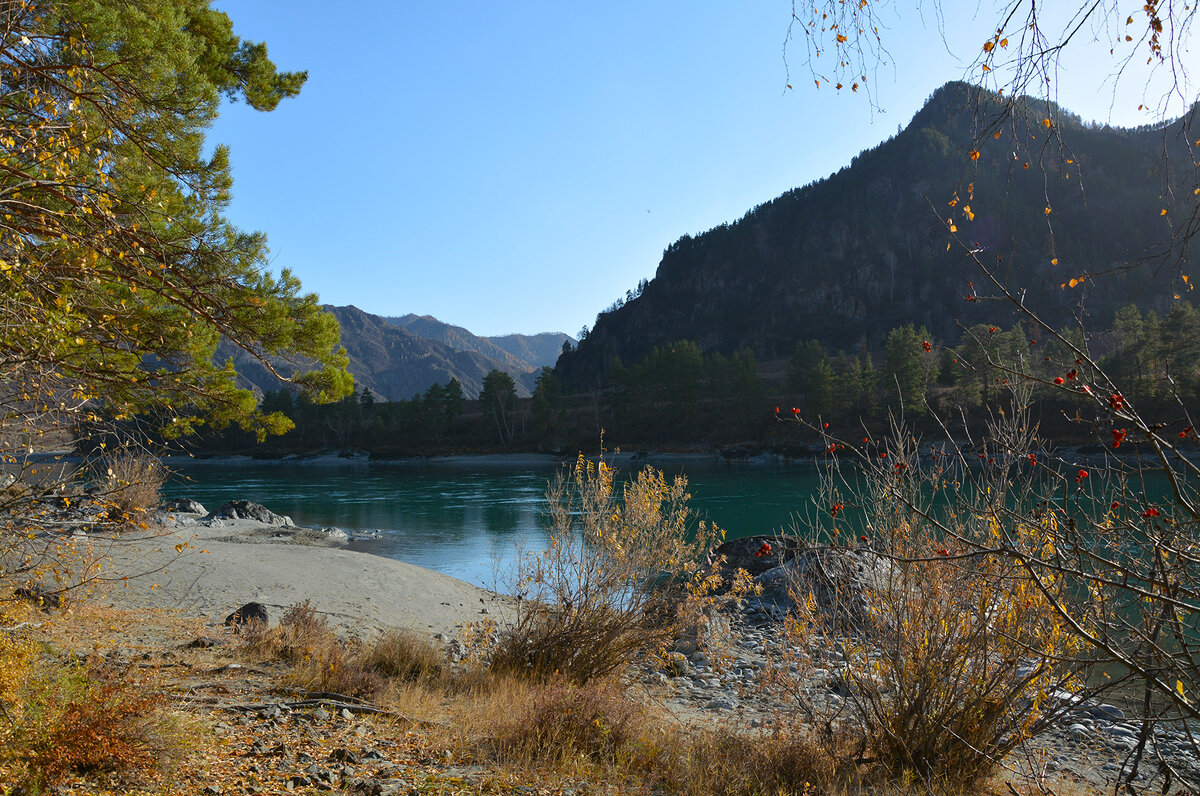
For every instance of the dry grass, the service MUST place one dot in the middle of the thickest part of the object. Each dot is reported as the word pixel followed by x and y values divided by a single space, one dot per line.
pixel 731 763
pixel 321 661
pixel 556 720
pixel 403 655
pixel 557 728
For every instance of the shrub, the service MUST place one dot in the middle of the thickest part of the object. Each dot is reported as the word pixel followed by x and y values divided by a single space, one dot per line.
pixel 80 719
pixel 131 484
pixel 957 652
pixel 614 581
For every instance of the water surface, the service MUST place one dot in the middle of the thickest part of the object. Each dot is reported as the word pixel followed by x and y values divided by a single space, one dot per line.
pixel 468 519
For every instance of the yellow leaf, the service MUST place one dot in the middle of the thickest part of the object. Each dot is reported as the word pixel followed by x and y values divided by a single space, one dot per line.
pixel 1179 688
pixel 975 154
pixel 1164 212
pixel 987 46
pixel 1046 123
pixel 1047 210
pixel 1054 261
pixel 1004 42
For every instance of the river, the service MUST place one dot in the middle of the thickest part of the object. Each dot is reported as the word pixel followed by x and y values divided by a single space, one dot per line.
pixel 469 517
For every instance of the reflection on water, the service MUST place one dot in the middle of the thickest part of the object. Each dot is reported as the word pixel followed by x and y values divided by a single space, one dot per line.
pixel 464 519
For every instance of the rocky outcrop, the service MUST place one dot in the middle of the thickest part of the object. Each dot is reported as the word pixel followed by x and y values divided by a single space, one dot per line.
pixel 248 510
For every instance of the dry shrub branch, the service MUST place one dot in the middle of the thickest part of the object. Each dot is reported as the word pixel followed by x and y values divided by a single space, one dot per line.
pixel 948 654
pixel 616 580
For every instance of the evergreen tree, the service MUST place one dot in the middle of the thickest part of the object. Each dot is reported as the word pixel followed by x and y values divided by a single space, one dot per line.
pixel 453 400
pixel 498 401
pixel 118 272
pixel 909 369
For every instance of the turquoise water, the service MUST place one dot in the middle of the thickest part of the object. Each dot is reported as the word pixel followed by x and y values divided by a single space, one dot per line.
pixel 469 519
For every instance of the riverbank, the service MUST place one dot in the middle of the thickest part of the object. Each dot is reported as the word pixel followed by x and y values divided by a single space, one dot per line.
pixel 207 570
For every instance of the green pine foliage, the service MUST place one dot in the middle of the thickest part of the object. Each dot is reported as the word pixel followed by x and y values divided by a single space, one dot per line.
pixel 118 272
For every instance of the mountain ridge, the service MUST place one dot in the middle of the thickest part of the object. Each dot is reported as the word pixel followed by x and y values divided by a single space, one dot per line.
pixel 394 362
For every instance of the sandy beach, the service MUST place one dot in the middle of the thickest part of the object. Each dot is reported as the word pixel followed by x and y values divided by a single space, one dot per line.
pixel 207 572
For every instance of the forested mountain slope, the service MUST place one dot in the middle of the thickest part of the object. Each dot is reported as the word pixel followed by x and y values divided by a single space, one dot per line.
pixel 848 258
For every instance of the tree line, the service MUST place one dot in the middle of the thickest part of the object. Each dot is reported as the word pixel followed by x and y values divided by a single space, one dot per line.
pixel 679 395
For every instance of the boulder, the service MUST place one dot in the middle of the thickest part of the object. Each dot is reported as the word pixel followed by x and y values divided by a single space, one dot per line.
pixel 842 582
pixel 247 510
pixel 677 664
pixel 755 554
pixel 184 506
pixel 250 612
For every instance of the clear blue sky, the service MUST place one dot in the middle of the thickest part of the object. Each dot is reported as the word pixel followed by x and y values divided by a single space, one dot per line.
pixel 517 166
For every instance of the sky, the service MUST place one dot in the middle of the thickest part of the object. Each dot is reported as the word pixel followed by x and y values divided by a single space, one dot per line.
pixel 518 166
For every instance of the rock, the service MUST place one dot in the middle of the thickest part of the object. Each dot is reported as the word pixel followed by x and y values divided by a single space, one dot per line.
pixel 843 582
pixel 1079 732
pixel 250 612
pixel 335 534
pixel 38 597
pixel 1107 712
pixel 246 510
pixel 365 787
pixel 677 664
pixel 184 506
pixel 343 755
pixel 205 642
pixel 710 630
pixel 1121 731
pixel 751 554
pixel 722 703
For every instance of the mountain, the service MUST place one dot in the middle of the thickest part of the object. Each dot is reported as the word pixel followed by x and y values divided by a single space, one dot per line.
pixel 846 259
pixel 397 361
pixel 521 351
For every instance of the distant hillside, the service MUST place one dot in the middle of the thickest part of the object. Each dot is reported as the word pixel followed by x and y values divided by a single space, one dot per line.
pixel 528 352
pixel 848 258
pixel 396 362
